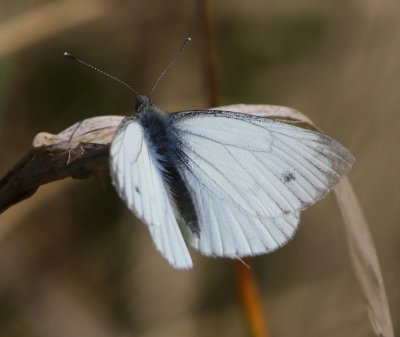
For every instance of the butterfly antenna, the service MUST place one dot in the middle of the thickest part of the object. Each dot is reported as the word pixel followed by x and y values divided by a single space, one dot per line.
pixel 68 55
pixel 184 44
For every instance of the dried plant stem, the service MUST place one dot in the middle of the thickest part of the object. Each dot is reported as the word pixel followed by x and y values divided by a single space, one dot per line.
pixel 250 296
pixel 364 258
pixel 49 163
pixel 246 282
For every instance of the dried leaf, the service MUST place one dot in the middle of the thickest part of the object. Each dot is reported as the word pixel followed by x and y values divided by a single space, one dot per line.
pixel 99 130
pixel 364 259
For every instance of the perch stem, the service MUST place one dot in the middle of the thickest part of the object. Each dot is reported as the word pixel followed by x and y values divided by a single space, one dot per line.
pixel 251 300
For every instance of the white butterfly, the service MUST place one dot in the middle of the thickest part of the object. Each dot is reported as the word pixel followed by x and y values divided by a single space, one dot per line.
pixel 228 183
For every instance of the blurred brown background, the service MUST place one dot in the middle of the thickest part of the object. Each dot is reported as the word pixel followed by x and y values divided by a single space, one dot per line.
pixel 75 262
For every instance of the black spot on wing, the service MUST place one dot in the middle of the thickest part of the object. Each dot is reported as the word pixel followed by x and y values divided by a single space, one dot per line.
pixel 288 176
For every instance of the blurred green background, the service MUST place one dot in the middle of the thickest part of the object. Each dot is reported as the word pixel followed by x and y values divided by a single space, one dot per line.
pixel 75 262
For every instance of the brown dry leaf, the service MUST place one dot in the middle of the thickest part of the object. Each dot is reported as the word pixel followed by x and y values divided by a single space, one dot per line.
pixel 364 258
pixel 79 152
pixel 270 111
pixel 99 130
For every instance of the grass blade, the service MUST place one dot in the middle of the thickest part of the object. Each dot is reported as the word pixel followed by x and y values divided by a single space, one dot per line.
pixel 364 259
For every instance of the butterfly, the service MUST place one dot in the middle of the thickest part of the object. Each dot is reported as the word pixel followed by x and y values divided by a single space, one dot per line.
pixel 229 184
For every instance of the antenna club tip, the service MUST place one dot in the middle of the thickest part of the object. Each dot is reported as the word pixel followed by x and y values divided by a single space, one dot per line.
pixel 68 55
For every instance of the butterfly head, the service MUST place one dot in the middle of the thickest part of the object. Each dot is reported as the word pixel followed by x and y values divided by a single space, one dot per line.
pixel 142 103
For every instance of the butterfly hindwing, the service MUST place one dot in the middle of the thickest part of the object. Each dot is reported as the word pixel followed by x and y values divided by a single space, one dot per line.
pixel 138 181
pixel 227 230
pixel 251 176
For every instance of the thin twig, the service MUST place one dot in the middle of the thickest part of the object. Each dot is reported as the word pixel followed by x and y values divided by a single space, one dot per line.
pixel 45 164
pixel 250 296
pixel 364 259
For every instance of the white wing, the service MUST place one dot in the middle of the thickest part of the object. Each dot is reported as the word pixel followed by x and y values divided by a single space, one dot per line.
pixel 250 177
pixel 227 230
pixel 139 183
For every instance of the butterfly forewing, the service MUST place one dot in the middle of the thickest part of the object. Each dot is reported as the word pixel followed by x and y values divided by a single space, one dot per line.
pixel 293 169
pixel 139 183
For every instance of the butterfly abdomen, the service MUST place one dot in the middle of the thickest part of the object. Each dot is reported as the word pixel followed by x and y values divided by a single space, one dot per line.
pixel 164 145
